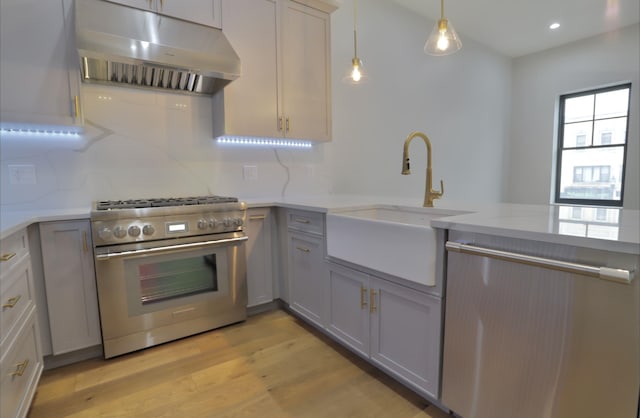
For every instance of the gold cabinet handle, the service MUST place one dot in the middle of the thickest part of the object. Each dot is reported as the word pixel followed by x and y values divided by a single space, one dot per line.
pixel 257 217
pixel 303 249
pixel 280 123
pixel 363 297
pixel 20 368
pixel 76 105
pixel 12 302
pixel 287 124
pixel 7 257
pixel 372 301
pixel 85 246
pixel 302 221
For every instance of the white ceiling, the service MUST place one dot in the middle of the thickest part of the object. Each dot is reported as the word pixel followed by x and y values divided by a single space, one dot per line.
pixel 520 27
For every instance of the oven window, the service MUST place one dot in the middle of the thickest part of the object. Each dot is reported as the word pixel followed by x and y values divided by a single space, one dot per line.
pixel 171 279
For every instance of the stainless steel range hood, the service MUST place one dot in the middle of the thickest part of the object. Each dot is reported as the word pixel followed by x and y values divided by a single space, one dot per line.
pixel 124 46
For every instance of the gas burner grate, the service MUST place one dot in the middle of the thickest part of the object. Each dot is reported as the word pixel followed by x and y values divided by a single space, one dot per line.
pixel 163 202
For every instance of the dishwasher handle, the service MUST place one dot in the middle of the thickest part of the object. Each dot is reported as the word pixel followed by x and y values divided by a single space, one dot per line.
pixel 605 273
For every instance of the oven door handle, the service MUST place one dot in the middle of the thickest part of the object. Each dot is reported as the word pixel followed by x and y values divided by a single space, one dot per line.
pixel 191 246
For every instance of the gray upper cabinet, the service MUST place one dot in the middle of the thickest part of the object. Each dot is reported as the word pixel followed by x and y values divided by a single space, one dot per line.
pixel 39 76
pixel 284 90
pixel 70 285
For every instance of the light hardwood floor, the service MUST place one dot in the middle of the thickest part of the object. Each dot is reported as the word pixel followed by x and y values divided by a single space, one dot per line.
pixel 272 365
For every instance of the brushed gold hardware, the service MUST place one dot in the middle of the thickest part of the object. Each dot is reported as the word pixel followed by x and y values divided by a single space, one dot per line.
pixel 7 257
pixel 280 123
pixel 85 246
pixel 302 221
pixel 257 217
pixel 303 249
pixel 76 105
pixel 372 301
pixel 287 124
pixel 429 194
pixel 161 4
pixel 363 297
pixel 12 302
pixel 20 368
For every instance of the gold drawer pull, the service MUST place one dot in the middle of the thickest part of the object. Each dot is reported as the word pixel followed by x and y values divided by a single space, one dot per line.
pixel 12 302
pixel 7 257
pixel 257 217
pixel 363 297
pixel 303 249
pixel 302 221
pixel 20 368
pixel 372 301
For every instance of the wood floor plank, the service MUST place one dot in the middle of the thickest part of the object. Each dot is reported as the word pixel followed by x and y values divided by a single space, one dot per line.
pixel 271 366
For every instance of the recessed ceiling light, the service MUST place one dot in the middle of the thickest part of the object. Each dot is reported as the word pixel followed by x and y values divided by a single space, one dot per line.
pixel 554 25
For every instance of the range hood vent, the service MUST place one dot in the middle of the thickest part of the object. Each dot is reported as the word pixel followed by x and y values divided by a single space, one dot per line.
pixel 123 46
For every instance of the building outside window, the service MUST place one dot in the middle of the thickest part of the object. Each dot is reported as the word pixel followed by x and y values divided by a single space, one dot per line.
pixel 592 146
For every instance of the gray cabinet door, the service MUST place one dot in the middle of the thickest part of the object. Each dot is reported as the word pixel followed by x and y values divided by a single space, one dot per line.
pixel 348 312
pixel 259 257
pixel 70 284
pixel 307 276
pixel 405 334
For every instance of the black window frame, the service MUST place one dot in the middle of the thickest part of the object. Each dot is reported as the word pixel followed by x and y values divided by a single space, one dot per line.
pixel 561 148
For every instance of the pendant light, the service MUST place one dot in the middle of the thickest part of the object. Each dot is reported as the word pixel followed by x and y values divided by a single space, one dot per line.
pixel 443 39
pixel 356 73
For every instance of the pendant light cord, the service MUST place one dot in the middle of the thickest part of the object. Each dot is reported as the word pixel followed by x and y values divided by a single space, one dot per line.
pixel 441 9
pixel 355 26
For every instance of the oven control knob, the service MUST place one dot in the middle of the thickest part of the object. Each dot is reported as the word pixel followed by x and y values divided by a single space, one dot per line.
pixel 227 222
pixel 213 223
pixel 119 232
pixel 202 224
pixel 148 230
pixel 104 233
pixel 134 230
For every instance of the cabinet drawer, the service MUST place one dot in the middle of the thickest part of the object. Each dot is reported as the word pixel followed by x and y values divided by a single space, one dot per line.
pixel 20 370
pixel 305 221
pixel 16 296
pixel 12 249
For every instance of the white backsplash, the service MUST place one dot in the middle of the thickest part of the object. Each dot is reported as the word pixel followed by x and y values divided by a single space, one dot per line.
pixel 146 144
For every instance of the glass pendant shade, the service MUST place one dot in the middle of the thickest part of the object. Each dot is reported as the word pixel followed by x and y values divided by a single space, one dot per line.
pixel 444 39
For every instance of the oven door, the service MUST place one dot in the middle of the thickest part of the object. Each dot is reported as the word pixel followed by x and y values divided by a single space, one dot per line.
pixel 151 293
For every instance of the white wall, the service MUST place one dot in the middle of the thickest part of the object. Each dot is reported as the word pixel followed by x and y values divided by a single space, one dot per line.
pixel 460 101
pixel 538 81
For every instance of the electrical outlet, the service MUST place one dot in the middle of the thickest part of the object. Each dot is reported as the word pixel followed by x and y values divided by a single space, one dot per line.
pixel 250 172
pixel 22 174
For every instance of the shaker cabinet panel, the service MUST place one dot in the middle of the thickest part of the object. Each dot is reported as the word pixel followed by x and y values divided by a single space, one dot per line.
pixel 248 106
pixel 39 76
pixel 307 276
pixel 259 256
pixel 348 316
pixel 306 86
pixel 70 285
pixel 284 90
pixel 405 334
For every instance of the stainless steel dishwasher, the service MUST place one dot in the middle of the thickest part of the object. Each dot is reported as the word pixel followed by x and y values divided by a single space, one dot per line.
pixel 537 330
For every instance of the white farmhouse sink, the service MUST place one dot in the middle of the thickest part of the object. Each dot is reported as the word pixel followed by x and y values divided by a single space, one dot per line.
pixel 393 240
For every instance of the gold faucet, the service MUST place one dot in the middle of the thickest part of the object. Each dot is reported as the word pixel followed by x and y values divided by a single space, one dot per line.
pixel 429 194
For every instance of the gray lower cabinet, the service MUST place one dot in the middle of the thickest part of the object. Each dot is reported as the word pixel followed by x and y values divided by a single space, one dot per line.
pixel 396 327
pixel 307 269
pixel 259 256
pixel 70 285
pixel 307 276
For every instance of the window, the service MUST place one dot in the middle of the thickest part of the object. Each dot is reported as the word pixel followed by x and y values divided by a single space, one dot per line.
pixel 592 146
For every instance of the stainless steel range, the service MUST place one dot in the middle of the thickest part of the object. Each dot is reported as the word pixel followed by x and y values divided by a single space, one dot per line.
pixel 168 268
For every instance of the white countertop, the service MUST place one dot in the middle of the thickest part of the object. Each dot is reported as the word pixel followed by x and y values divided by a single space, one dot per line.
pixel 619 229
